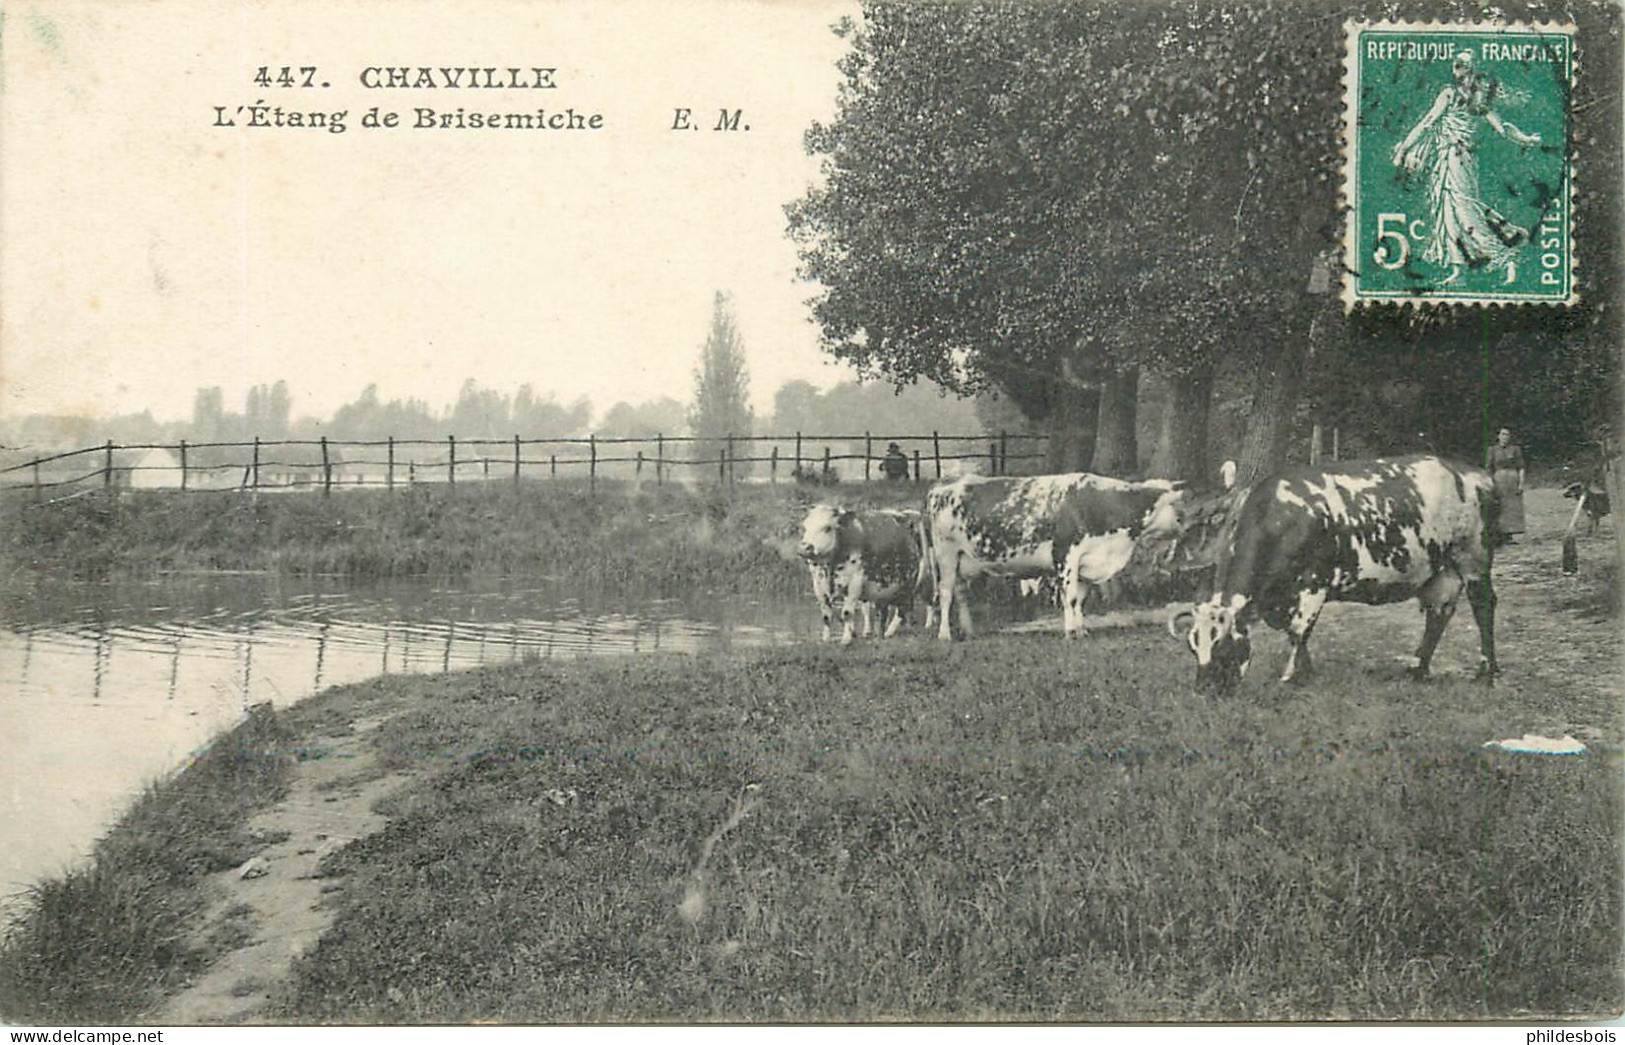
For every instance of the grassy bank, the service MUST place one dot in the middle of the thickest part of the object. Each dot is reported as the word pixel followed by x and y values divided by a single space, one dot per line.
pixel 648 540
pixel 103 942
pixel 1019 828
pixel 1016 830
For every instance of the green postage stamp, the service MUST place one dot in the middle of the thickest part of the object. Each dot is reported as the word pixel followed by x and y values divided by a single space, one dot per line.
pixel 1457 172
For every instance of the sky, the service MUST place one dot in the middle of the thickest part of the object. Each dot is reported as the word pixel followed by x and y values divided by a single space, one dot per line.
pixel 146 250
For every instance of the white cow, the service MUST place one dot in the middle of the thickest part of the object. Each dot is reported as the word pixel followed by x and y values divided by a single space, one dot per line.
pixel 862 559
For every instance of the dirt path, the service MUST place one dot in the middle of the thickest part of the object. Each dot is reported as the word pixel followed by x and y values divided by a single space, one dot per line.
pixel 276 910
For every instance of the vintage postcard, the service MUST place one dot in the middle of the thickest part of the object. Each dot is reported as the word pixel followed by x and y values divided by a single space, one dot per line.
pixel 580 513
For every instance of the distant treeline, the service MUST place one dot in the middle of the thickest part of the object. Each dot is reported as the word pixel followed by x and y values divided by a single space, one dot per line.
pixel 481 412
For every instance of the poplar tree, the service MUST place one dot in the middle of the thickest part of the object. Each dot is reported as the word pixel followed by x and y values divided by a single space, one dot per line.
pixel 721 385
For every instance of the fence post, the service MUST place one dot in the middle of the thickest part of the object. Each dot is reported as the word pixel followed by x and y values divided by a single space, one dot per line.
pixel 638 472
pixel 773 466
pixel 660 458
pixel 936 451
pixel 1004 453
pixel 389 476
pixel 553 464
pixel 916 464
pixel 592 463
pixel 826 461
pixel 1335 448
pixel 451 460
pixel 798 450
pixel 993 457
pixel 327 470
pixel 868 453
pixel 516 460
pixel 722 464
pixel 254 472
pixel 107 467
pixel 183 465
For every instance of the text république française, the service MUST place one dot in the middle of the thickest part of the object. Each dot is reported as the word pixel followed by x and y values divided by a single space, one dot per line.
pixel 419 118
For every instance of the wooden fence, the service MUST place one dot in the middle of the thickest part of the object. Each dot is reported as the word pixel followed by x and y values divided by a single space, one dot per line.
pixel 329 465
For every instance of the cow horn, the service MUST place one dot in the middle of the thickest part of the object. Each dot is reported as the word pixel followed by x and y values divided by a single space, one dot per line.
pixel 1173 621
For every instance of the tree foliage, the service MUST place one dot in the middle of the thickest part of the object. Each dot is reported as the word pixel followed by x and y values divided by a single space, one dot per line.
pixel 1026 197
pixel 663 416
pixel 721 380
pixel 852 407
pixel 1018 193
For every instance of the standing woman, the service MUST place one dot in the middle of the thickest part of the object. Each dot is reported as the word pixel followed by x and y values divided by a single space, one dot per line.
pixel 1505 462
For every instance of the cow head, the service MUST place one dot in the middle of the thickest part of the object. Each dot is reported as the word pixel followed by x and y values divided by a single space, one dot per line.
pixel 1165 520
pixel 1218 636
pixel 821 532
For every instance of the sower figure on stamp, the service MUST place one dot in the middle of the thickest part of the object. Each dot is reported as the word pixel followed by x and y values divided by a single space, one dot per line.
pixel 1505 463
pixel 1464 230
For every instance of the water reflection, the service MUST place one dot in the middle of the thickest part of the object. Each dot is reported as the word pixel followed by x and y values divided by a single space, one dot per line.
pixel 105 688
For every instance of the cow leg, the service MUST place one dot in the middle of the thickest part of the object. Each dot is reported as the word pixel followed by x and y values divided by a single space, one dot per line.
pixel 849 619
pixel 1072 590
pixel 823 585
pixel 850 581
pixel 947 591
pixel 963 603
pixel 1438 597
pixel 1074 596
pixel 896 622
pixel 1091 562
pixel 1481 597
pixel 1298 628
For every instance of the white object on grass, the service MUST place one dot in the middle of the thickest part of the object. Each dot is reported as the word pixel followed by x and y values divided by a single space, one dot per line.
pixel 1534 744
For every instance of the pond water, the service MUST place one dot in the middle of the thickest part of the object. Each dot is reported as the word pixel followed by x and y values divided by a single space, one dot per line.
pixel 106 688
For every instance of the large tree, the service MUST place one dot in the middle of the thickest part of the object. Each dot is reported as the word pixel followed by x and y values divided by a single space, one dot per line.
pixel 1046 199
pixel 1051 199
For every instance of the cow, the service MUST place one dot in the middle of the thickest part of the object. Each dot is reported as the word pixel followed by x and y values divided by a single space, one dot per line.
pixel 1075 527
pixel 863 560
pixel 1375 532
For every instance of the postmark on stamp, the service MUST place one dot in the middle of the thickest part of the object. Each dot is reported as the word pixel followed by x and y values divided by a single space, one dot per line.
pixel 1457 172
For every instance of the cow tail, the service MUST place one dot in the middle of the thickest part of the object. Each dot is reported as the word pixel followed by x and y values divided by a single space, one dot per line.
pixel 925 575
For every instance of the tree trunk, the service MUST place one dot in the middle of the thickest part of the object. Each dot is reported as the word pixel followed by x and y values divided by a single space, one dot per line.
pixel 1182 436
pixel 1116 447
pixel 1277 387
pixel 1614 483
pixel 1071 428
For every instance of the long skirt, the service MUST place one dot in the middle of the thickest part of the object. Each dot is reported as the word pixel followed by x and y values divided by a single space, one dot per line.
pixel 1506 485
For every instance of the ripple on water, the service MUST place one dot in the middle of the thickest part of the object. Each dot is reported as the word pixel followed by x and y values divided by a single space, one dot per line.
pixel 105 688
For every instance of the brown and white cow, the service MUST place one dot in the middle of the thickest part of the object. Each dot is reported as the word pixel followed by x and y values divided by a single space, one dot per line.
pixel 1362 531
pixel 862 560
pixel 1079 528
